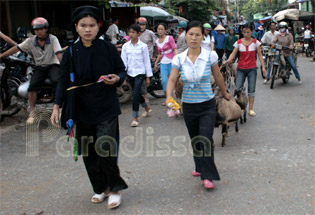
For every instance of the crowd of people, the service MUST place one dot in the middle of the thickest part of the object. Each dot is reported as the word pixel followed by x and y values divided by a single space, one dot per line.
pixel 195 58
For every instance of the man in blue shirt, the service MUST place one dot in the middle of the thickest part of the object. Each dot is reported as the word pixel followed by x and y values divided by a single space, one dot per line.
pixel 219 41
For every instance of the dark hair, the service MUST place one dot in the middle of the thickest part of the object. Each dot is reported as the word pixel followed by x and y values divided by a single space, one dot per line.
pixel 135 27
pixel 163 24
pixel 250 26
pixel 114 19
pixel 194 24
pixel 273 22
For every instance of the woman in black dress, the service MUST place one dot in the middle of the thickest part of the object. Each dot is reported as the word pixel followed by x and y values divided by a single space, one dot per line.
pixel 96 106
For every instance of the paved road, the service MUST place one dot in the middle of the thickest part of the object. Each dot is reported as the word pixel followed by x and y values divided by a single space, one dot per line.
pixel 266 168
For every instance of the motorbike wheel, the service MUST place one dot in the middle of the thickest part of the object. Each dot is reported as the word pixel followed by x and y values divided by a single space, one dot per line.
pixel 157 93
pixel 307 52
pixel 124 93
pixel 286 79
pixel 273 75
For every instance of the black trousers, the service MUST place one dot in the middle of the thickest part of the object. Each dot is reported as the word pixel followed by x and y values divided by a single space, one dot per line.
pixel 41 73
pixel 99 145
pixel 220 53
pixel 200 121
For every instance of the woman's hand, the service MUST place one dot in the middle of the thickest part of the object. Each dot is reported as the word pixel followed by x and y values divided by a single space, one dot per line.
pixel 155 66
pixel 147 81
pixel 111 79
pixel 264 71
pixel 226 62
pixel 227 96
pixel 55 116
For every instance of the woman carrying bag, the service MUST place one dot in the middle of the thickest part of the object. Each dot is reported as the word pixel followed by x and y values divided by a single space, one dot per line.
pixel 96 103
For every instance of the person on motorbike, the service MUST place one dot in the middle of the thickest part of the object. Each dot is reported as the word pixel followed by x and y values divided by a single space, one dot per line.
pixel 147 37
pixel 308 36
pixel 181 41
pixel 286 39
pixel 7 39
pixel 267 39
pixel 47 55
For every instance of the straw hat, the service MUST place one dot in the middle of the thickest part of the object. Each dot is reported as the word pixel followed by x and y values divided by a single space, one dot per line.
pixel 219 28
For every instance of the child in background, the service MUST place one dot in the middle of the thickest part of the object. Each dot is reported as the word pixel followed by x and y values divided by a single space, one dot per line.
pixel 135 55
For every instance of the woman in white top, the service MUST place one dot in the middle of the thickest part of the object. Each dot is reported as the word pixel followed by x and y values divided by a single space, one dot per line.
pixel 196 65
pixel 208 40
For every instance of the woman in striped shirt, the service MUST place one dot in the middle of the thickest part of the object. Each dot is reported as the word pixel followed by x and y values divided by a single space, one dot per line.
pixel 195 66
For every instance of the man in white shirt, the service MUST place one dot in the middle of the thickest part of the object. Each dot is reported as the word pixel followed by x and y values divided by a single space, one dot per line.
pixel 113 31
pixel 270 35
pixel 181 41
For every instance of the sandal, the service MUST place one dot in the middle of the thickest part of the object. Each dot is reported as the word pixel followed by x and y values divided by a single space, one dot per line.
pixel 114 201
pixel 146 113
pixel 208 184
pixel 98 198
pixel 195 173
pixel 252 113
pixel 134 123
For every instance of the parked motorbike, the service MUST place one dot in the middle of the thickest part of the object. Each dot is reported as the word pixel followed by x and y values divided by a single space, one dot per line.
pixel 280 68
pixel 155 88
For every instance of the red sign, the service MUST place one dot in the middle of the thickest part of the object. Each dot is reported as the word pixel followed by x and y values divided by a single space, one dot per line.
pixel 181 10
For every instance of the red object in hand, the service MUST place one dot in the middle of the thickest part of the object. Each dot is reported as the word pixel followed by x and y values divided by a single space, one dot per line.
pixel 102 78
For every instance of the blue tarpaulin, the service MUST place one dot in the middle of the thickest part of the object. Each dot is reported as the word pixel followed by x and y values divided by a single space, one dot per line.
pixel 266 19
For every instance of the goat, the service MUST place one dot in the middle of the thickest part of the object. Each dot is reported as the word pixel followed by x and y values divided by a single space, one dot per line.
pixel 242 101
pixel 228 112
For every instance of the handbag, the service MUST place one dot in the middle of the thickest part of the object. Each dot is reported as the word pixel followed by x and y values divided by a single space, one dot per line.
pixel 68 108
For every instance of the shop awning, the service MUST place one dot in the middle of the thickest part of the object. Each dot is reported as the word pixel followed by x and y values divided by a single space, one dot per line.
pixel 265 19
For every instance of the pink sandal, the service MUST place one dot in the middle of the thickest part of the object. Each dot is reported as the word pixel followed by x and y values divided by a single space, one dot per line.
pixel 208 184
pixel 195 173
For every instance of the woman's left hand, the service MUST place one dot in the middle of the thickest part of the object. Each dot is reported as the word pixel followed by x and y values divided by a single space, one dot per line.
pixel 111 79
pixel 227 96
pixel 264 72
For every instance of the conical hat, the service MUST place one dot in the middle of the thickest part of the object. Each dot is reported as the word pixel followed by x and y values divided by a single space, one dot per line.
pixel 219 28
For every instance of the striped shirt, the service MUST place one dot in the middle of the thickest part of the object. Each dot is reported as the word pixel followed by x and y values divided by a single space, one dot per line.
pixel 196 76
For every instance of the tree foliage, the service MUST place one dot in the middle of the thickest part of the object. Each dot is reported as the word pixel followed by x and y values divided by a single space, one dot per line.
pixel 192 9
pixel 261 6
pixel 107 5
